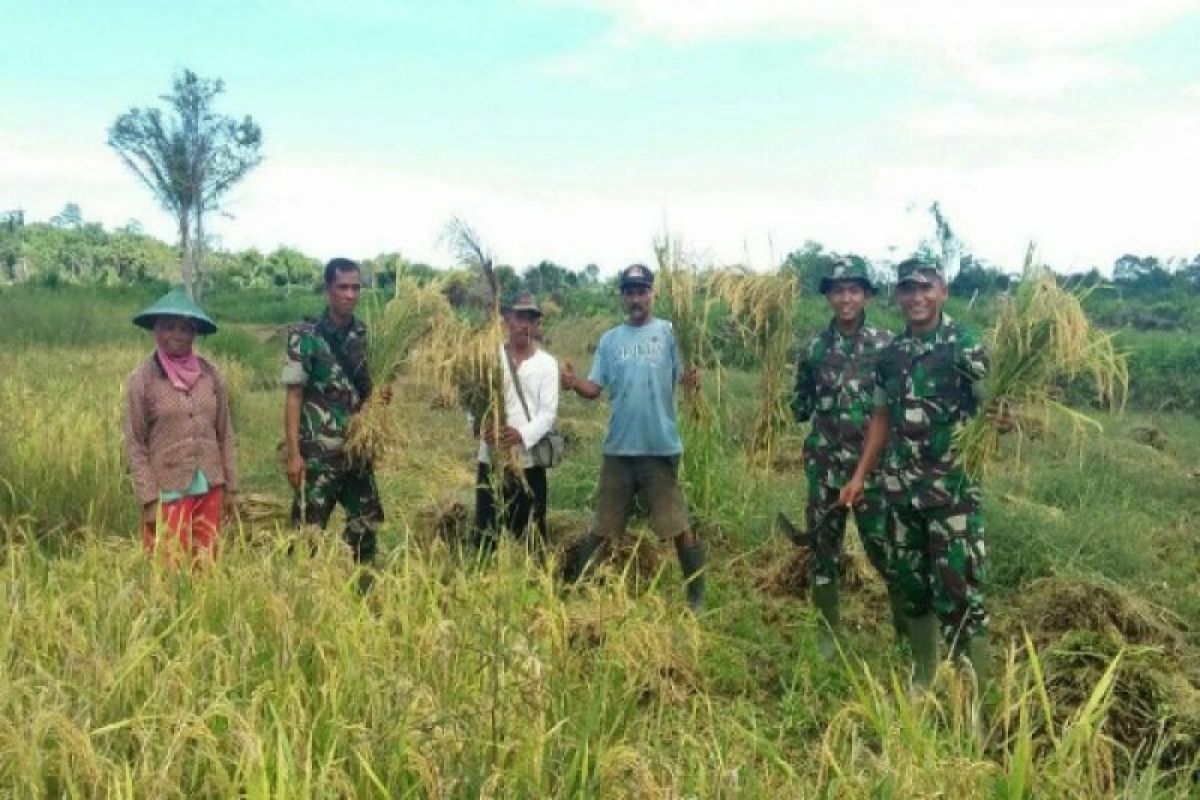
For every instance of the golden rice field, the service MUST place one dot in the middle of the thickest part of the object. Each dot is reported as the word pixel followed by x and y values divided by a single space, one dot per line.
pixel 268 676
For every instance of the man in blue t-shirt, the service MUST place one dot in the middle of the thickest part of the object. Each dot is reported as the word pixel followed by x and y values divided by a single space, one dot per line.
pixel 638 363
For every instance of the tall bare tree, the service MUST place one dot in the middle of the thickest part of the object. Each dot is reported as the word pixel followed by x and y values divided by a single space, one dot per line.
pixel 188 157
pixel 470 252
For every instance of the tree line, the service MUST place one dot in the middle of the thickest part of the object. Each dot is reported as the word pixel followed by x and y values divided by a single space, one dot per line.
pixel 189 156
pixel 69 248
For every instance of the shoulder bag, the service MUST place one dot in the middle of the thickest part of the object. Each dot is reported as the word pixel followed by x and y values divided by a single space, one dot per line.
pixel 549 450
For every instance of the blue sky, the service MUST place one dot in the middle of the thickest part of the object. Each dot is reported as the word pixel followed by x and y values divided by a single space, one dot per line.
pixel 571 129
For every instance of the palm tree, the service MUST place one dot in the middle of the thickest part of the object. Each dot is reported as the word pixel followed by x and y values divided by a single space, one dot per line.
pixel 188 159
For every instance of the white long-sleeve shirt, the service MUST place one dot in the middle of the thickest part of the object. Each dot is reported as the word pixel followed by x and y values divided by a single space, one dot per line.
pixel 539 385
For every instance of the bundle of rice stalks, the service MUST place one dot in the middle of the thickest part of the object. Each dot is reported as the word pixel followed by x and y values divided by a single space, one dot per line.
pixel 449 522
pixel 1042 339
pixel 1150 700
pixel 683 298
pixel 394 330
pixel 261 510
pixel 635 558
pixel 792 576
pixel 1055 606
pixel 465 358
pixel 764 307
pixel 565 526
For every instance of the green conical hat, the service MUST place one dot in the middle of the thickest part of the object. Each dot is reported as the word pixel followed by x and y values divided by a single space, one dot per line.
pixel 176 303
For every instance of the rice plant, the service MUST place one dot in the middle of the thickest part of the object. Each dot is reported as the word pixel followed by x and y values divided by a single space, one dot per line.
pixel 394 330
pixel 764 307
pixel 467 356
pixel 1042 340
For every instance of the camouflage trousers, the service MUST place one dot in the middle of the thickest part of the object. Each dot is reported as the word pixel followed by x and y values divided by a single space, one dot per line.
pixel 828 534
pixel 939 563
pixel 328 483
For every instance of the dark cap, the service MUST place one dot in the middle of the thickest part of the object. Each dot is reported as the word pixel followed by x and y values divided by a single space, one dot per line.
pixel 636 275
pixel 918 270
pixel 526 302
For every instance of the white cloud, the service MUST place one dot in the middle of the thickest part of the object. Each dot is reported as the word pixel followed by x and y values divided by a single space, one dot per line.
pixel 1025 48
pixel 970 121
pixel 1130 189
pixel 1083 210
pixel 946 24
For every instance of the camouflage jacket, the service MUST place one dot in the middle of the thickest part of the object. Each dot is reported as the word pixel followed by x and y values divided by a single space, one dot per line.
pixel 835 385
pixel 331 395
pixel 929 386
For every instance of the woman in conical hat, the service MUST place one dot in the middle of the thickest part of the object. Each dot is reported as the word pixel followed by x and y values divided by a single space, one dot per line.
pixel 178 434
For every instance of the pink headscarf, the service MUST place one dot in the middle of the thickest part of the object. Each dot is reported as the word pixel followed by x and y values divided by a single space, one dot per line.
pixel 183 371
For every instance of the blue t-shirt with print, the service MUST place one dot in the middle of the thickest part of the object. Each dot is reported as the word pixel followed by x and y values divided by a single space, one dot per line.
pixel 638 366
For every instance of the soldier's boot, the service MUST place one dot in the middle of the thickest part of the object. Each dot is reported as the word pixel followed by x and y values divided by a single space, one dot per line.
pixel 978 654
pixel 581 558
pixel 366 580
pixel 899 621
pixel 825 596
pixel 691 561
pixel 924 634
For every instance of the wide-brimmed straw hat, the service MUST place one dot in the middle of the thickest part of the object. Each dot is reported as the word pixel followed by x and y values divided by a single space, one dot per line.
pixel 176 303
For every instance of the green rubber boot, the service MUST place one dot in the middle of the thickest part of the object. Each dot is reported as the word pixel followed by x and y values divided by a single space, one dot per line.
pixel 978 654
pixel 691 561
pixel 899 622
pixel 923 635
pixel 825 598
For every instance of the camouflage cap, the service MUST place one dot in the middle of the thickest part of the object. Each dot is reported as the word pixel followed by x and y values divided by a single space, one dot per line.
pixel 847 269
pixel 917 270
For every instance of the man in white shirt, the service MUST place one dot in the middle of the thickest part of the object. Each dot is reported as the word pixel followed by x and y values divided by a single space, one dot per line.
pixel 528 421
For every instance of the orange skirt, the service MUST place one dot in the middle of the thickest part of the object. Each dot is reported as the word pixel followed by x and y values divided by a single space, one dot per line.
pixel 190 525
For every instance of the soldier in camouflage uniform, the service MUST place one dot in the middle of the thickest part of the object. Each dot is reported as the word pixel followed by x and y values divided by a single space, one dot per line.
pixel 327 381
pixel 835 385
pixel 928 384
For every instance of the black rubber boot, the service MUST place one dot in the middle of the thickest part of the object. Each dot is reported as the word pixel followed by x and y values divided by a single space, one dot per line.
pixel 691 561
pixel 581 557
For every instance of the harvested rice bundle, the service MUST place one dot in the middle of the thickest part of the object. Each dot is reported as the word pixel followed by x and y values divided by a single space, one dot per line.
pixel 394 329
pixel 470 354
pixel 1042 339
pixel 763 307
pixel 258 509
pixel 683 297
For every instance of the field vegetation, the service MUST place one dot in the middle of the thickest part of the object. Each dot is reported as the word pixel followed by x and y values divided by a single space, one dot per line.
pixel 267 675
